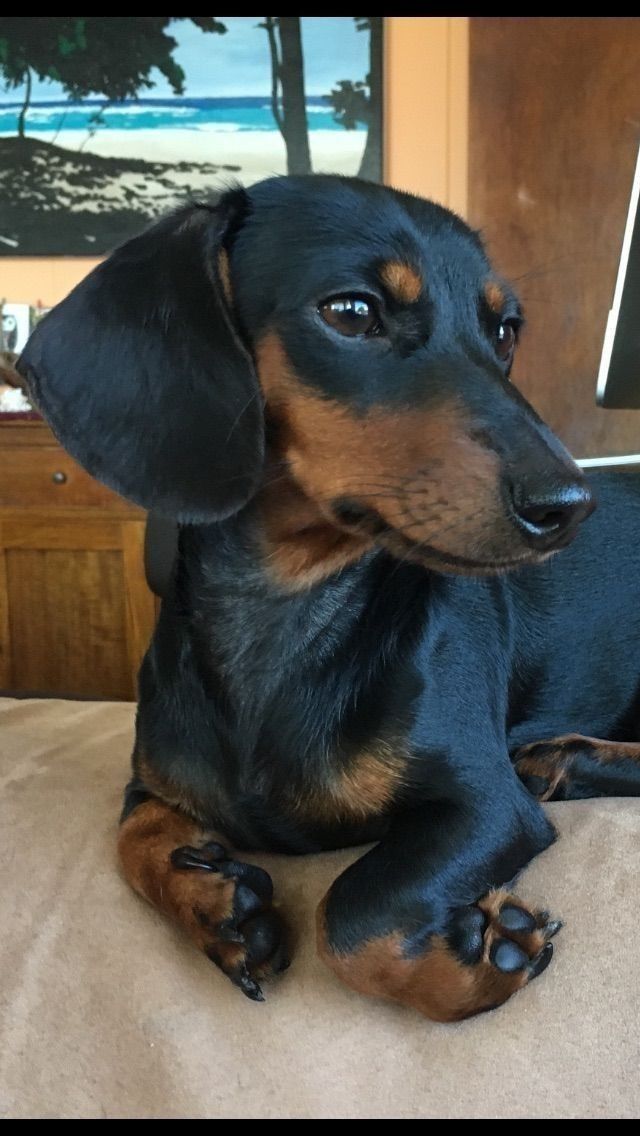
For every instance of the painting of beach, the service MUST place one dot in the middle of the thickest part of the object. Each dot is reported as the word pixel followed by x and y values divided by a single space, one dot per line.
pixel 107 122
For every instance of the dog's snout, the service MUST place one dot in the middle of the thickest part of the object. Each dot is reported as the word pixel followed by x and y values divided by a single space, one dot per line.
pixel 547 515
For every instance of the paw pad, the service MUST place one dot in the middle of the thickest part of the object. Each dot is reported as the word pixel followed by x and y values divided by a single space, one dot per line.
pixel 501 931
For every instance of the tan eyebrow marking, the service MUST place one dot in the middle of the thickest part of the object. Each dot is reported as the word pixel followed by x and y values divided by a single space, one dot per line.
pixel 404 282
pixel 494 296
pixel 225 275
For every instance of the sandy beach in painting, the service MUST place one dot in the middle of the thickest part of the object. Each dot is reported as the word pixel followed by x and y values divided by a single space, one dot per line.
pixel 256 154
pixel 84 194
pixel 76 186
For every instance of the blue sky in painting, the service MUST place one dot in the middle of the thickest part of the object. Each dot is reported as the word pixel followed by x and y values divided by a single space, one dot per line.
pixel 238 62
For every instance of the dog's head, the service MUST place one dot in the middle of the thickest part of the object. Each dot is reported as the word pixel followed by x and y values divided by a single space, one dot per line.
pixel 363 327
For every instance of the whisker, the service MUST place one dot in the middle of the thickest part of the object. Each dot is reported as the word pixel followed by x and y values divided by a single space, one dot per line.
pixel 256 394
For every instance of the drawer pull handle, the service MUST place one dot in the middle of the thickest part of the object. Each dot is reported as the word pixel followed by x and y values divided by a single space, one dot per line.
pixel 59 478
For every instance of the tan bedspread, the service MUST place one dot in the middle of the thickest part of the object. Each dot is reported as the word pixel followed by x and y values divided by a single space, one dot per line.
pixel 106 1012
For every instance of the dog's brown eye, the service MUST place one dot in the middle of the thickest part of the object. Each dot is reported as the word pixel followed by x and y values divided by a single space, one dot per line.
pixel 505 341
pixel 351 315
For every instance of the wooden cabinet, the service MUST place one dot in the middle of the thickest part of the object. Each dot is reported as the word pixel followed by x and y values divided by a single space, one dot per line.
pixel 75 611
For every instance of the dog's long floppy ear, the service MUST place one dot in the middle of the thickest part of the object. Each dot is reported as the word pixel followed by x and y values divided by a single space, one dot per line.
pixel 143 378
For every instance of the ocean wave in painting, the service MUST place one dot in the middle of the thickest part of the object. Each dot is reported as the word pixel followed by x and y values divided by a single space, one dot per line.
pixel 224 115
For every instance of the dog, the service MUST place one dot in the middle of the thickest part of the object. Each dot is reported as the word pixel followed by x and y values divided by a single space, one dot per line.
pixel 367 638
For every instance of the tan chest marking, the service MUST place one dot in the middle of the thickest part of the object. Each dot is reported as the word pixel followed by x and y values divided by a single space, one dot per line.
pixel 366 787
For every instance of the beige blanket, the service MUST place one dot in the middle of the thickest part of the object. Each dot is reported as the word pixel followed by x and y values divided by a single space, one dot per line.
pixel 106 1012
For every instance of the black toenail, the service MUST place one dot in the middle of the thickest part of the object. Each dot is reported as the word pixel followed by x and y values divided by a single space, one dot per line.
pixel 188 857
pixel 541 961
pixel 247 984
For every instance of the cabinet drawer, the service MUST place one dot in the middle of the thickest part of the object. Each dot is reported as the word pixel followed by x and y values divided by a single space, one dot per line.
pixel 46 475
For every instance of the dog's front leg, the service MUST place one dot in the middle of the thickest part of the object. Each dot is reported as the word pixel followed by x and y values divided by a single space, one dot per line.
pixel 223 904
pixel 422 919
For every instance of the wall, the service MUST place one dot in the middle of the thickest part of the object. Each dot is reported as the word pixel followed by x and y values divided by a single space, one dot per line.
pixel 555 129
pixel 426 60
pixel 426 106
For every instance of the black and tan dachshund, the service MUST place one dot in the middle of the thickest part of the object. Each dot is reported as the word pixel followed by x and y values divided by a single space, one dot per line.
pixel 367 639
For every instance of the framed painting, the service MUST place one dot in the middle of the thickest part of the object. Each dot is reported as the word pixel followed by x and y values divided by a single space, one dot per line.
pixel 106 122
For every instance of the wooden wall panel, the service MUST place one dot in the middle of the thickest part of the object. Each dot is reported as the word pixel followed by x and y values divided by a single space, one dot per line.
pixel 553 136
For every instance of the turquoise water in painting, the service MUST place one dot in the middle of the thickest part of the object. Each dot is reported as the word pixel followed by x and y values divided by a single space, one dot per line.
pixel 219 115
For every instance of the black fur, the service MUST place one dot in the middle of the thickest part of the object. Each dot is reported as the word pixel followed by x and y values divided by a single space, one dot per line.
pixel 253 695
pixel 143 378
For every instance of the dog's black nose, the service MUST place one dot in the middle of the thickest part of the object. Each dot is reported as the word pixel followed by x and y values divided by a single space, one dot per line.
pixel 546 517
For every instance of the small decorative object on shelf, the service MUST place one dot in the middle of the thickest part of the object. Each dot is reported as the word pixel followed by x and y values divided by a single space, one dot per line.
pixel 13 397
pixel 16 325
pixel 13 401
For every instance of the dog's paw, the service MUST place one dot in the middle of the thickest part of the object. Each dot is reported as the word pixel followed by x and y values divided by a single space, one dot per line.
pixel 545 767
pixel 505 945
pixel 226 906
pixel 489 950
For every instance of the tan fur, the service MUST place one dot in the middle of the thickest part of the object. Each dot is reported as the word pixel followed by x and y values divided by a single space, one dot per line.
pixel 421 470
pixel 494 296
pixel 301 545
pixel 224 271
pixel 145 843
pixel 552 758
pixel 403 282
pixel 601 749
pixel 366 787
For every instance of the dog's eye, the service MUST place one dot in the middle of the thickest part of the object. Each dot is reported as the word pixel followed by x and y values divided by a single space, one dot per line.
pixel 505 337
pixel 351 315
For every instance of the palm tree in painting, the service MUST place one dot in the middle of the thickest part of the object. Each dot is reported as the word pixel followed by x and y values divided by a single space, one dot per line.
pixel 362 101
pixel 89 55
pixel 287 89
pixel 353 103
